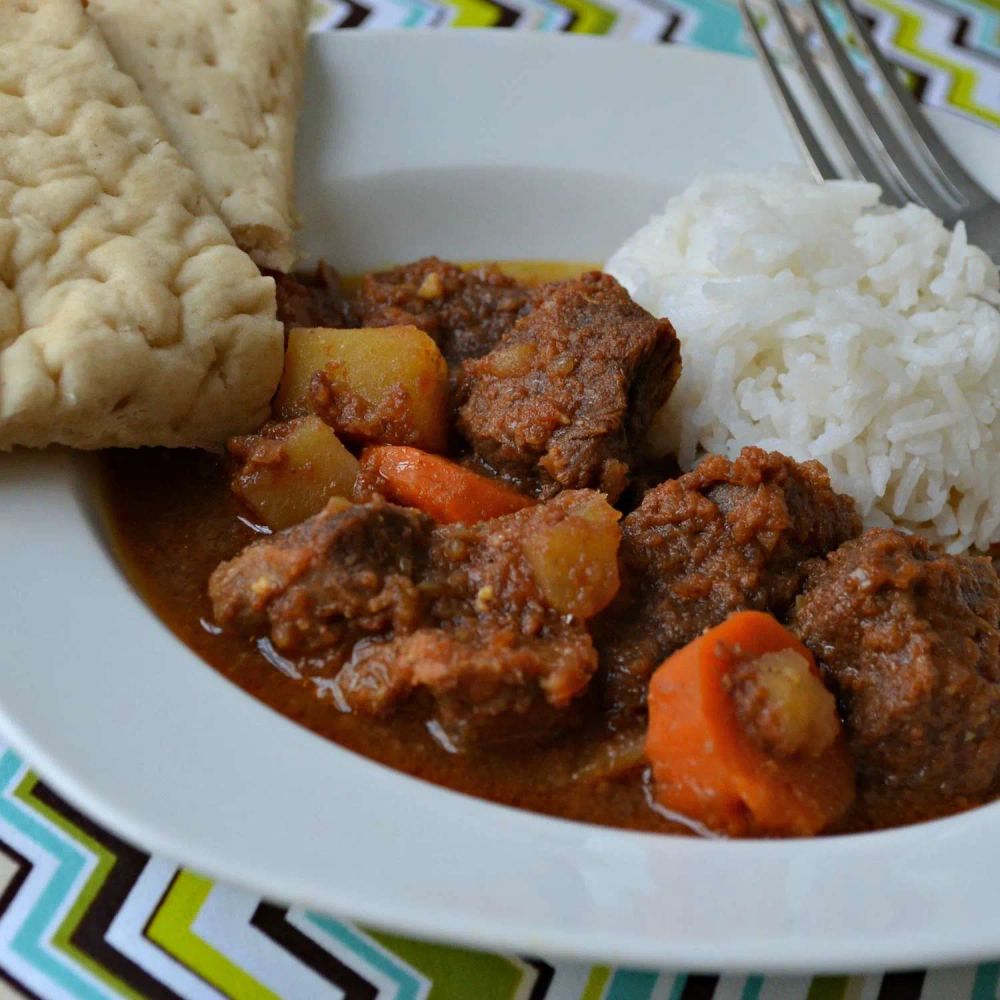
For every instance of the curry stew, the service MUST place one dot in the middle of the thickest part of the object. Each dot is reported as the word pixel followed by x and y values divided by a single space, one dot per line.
pixel 453 552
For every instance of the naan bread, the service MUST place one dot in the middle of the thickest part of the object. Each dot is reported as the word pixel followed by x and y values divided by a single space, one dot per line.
pixel 127 314
pixel 225 78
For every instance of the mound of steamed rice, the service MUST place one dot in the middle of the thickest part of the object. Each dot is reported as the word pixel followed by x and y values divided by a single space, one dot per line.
pixel 817 323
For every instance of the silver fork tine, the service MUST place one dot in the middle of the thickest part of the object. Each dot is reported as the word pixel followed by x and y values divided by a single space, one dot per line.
pixel 952 175
pixel 897 158
pixel 801 129
pixel 866 166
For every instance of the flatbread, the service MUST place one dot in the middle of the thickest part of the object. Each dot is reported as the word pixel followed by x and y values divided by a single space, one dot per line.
pixel 127 314
pixel 225 77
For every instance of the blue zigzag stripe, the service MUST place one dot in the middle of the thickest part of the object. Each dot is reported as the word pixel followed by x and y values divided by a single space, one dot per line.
pixel 418 13
pixel 717 26
pixel 408 985
pixel 630 984
pixel 29 940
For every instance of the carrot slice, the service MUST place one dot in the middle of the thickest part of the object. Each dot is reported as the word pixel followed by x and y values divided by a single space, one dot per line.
pixel 740 737
pixel 447 492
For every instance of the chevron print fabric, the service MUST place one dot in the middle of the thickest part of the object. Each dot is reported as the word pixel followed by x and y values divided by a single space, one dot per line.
pixel 951 50
pixel 85 915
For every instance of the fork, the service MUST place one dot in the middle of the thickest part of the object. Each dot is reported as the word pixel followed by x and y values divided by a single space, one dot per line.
pixel 905 157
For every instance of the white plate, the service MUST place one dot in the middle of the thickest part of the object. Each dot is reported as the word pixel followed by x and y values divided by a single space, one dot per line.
pixel 468 145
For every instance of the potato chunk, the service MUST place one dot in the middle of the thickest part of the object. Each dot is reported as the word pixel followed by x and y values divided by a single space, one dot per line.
pixel 291 470
pixel 386 385
pixel 575 562
pixel 784 706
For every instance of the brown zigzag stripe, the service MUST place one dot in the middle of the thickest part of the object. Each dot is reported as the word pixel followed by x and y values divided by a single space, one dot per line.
pixel 674 18
pixel 270 920
pixel 959 40
pixel 699 987
pixel 544 974
pixel 24 867
pixel 356 15
pixel 672 25
pixel 90 935
pixel 901 986
pixel 916 83
pixel 571 20
pixel 958 35
pixel 508 16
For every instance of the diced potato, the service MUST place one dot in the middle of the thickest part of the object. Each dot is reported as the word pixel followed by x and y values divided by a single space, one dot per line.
pixel 385 385
pixel 293 470
pixel 575 560
pixel 784 705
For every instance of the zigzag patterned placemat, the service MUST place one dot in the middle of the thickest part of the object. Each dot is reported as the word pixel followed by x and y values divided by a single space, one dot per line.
pixel 949 48
pixel 85 915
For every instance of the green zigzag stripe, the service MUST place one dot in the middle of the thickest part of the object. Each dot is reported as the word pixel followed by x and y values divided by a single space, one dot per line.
pixel 474 13
pixel 587 17
pixel 171 929
pixel 596 983
pixel 61 939
pixel 828 988
pixel 590 18
pixel 961 91
pixel 451 970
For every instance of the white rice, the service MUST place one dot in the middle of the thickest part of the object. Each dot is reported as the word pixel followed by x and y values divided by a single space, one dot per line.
pixel 816 323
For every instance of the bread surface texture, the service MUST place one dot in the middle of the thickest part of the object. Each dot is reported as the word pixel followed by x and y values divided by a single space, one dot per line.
pixel 128 316
pixel 225 78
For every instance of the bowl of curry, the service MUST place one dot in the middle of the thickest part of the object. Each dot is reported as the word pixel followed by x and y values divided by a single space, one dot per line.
pixel 449 552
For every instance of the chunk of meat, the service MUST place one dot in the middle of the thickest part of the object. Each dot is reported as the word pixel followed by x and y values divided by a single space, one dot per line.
pixel 910 639
pixel 510 650
pixel 489 685
pixel 319 587
pixel 565 398
pixel 466 312
pixel 484 621
pixel 728 536
pixel 311 300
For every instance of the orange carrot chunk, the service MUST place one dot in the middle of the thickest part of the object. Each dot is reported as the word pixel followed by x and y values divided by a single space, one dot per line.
pixel 743 735
pixel 447 492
